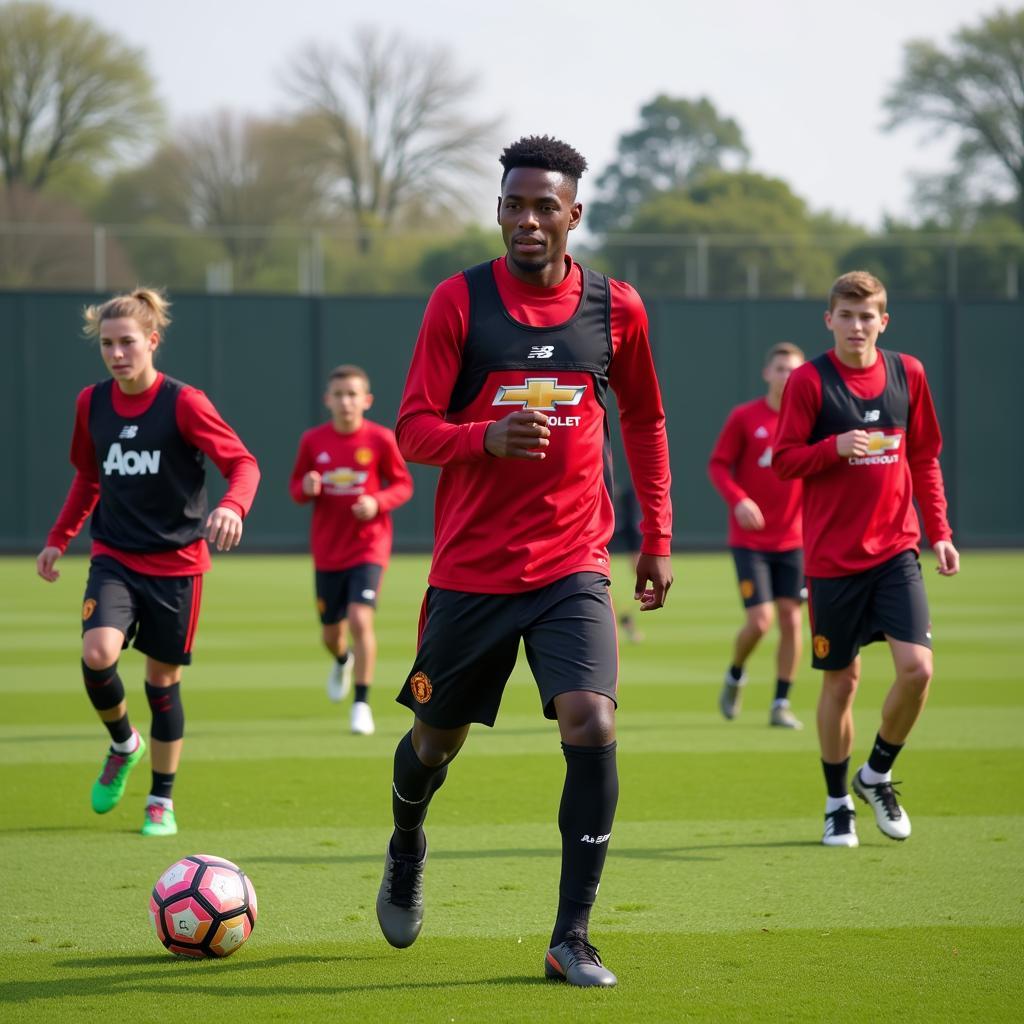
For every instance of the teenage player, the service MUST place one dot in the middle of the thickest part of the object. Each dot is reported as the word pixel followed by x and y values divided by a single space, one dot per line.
pixel 859 427
pixel 138 448
pixel 352 472
pixel 506 393
pixel 765 536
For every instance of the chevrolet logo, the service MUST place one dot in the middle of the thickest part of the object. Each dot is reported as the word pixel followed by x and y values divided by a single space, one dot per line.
pixel 539 393
pixel 879 442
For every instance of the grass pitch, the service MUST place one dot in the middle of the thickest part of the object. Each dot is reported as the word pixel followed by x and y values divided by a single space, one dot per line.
pixel 718 902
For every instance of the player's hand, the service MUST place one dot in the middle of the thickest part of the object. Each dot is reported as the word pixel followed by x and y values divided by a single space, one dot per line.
pixel 224 528
pixel 45 564
pixel 948 556
pixel 657 571
pixel 748 515
pixel 522 435
pixel 365 507
pixel 312 484
pixel 853 442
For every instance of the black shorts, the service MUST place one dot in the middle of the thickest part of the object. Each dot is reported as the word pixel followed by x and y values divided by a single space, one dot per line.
pixel 159 612
pixel 469 643
pixel 337 589
pixel 765 576
pixel 848 612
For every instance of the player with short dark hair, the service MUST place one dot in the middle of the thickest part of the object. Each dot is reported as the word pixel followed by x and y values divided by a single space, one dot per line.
pixel 506 394
pixel 351 471
pixel 765 537
pixel 138 448
pixel 859 427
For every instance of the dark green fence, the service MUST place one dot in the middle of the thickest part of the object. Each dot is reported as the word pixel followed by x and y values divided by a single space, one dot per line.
pixel 263 360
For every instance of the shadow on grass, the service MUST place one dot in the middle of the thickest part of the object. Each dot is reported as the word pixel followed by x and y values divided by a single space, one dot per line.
pixel 151 973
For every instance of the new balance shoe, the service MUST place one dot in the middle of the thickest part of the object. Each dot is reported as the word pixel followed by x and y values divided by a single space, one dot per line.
pixel 892 820
pixel 361 719
pixel 339 679
pixel 840 827
pixel 576 961
pixel 159 821
pixel 108 789
pixel 784 718
pixel 730 700
pixel 400 899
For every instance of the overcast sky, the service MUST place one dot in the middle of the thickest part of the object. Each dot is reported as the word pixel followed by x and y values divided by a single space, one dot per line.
pixel 804 78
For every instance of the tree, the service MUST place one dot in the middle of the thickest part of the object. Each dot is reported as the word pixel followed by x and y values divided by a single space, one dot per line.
pixel 394 138
pixel 677 141
pixel 730 234
pixel 975 88
pixel 70 93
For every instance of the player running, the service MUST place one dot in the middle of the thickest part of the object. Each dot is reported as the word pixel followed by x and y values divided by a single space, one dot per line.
pixel 765 537
pixel 859 427
pixel 352 472
pixel 506 393
pixel 138 448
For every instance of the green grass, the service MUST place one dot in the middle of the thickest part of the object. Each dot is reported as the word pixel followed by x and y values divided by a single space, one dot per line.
pixel 718 902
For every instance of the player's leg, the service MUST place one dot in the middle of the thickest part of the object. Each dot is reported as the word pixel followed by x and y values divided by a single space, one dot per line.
pixel 330 604
pixel 790 619
pixel 467 650
pixel 108 616
pixel 363 584
pixel 900 610
pixel 571 646
pixel 168 619
pixel 754 578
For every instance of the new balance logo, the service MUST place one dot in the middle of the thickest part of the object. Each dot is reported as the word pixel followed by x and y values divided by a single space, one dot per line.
pixel 541 352
pixel 596 839
pixel 130 463
pixel 871 416
pixel 128 432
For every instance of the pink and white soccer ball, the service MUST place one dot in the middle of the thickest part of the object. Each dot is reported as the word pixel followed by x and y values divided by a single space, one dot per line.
pixel 203 906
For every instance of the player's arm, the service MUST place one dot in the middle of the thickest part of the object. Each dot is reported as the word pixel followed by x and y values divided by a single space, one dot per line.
pixel 792 456
pixel 82 495
pixel 305 482
pixel 924 444
pixel 393 469
pixel 424 434
pixel 721 469
pixel 202 426
pixel 642 418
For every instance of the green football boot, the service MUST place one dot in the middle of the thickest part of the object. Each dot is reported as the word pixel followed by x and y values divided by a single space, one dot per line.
pixel 108 789
pixel 159 821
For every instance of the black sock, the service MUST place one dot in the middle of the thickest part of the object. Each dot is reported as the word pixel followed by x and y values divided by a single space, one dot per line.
pixel 362 692
pixel 835 777
pixel 736 671
pixel 103 686
pixel 585 818
pixel 342 659
pixel 883 754
pixel 120 731
pixel 168 722
pixel 413 786
pixel 163 785
pixel 782 689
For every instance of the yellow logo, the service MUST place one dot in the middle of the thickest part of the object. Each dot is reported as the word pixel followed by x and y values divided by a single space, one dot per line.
pixel 344 477
pixel 539 393
pixel 421 687
pixel 746 589
pixel 821 646
pixel 88 608
pixel 879 442
pixel 364 456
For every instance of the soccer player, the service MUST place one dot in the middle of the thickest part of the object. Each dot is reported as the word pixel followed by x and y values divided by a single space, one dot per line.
pixel 765 536
pixel 858 426
pixel 506 394
pixel 138 448
pixel 352 472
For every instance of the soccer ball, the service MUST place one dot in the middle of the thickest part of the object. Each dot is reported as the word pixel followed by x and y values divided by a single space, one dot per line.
pixel 203 906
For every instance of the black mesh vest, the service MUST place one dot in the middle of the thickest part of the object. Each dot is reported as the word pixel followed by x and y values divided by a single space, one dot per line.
pixel 841 410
